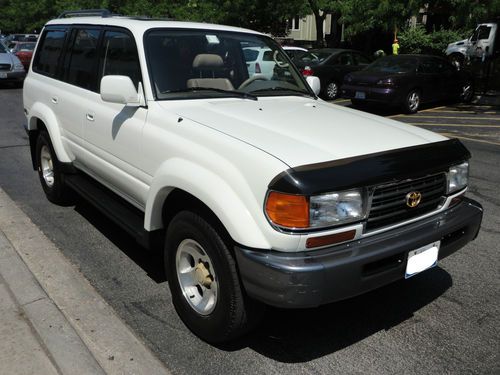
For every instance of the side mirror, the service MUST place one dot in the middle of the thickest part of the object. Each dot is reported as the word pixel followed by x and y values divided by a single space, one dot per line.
pixel 314 83
pixel 119 89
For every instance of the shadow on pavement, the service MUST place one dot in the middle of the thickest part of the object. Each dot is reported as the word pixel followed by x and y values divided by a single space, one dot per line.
pixel 150 261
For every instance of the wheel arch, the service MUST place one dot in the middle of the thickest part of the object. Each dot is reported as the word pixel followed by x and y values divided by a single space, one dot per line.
pixel 40 118
pixel 181 184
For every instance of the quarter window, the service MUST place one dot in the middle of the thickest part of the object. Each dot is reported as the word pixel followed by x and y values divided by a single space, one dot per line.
pixel 49 53
pixel 119 56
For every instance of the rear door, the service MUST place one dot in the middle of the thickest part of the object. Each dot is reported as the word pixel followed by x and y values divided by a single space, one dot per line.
pixel 429 79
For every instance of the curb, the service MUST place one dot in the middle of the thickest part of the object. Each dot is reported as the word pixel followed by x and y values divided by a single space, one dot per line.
pixel 81 332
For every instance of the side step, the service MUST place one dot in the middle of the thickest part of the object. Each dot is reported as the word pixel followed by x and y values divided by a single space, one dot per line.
pixel 128 217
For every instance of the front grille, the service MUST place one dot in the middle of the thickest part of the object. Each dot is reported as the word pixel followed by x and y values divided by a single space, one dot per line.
pixel 5 66
pixel 389 202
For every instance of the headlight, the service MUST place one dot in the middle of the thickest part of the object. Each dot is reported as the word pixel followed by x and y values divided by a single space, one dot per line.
pixel 300 212
pixel 458 177
pixel 18 66
pixel 385 82
pixel 336 208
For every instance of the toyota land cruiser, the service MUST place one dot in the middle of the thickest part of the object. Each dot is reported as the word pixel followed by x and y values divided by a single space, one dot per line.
pixel 260 192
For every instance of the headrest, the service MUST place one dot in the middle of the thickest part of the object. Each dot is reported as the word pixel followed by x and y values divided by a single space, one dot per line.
pixel 207 60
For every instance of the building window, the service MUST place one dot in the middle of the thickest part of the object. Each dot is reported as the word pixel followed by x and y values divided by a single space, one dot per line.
pixel 294 23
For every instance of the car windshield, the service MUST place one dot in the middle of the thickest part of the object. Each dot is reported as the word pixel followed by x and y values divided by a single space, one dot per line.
pixel 394 64
pixel 314 56
pixel 186 64
pixel 26 46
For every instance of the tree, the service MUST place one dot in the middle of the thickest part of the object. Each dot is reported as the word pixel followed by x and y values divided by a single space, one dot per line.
pixel 320 8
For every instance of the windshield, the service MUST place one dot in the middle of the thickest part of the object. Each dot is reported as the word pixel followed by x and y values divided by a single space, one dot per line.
pixel 26 46
pixel 394 64
pixel 314 56
pixel 208 63
pixel 2 48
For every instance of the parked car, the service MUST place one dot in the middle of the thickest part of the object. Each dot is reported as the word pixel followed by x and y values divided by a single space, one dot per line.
pixel 407 81
pixel 330 66
pixel 24 51
pixel 294 52
pixel 11 69
pixel 257 192
pixel 259 61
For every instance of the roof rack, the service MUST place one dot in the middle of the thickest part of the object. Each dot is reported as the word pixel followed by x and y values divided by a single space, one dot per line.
pixel 86 13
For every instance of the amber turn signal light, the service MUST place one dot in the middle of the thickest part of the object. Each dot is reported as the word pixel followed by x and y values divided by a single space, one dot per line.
pixel 330 239
pixel 287 210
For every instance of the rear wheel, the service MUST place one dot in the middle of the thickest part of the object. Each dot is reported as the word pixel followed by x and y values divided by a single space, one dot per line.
pixel 412 101
pixel 204 282
pixel 49 171
pixel 332 91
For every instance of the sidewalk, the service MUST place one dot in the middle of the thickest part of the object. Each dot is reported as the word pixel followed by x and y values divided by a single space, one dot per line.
pixel 52 321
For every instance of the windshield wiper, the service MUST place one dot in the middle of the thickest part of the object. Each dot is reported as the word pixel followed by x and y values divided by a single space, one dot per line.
pixel 279 88
pixel 234 93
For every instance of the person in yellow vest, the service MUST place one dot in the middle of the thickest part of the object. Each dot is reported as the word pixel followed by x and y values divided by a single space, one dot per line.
pixel 395 47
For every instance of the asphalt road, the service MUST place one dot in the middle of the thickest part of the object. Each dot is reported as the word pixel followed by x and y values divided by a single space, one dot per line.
pixel 443 321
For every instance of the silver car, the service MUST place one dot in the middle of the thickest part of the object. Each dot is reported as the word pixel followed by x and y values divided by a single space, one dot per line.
pixel 11 69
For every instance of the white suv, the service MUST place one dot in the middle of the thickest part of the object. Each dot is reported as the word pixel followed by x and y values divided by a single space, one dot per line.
pixel 260 192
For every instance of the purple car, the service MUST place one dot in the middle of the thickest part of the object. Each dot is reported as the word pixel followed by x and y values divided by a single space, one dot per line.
pixel 407 81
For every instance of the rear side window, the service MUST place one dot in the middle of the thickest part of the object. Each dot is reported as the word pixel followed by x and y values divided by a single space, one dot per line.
pixel 119 56
pixel 250 54
pixel 49 52
pixel 83 61
pixel 268 56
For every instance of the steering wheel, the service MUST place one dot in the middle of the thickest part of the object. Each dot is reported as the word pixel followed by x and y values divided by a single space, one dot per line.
pixel 255 77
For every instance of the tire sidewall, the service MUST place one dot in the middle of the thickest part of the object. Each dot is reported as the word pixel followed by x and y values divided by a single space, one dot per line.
pixel 187 225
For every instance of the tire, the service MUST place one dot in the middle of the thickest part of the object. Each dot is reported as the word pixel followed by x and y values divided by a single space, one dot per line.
pixel 412 101
pixel 332 91
pixel 49 172
pixel 467 92
pixel 204 283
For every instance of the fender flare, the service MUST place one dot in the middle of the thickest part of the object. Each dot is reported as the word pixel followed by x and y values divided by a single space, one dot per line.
pixel 41 112
pixel 213 191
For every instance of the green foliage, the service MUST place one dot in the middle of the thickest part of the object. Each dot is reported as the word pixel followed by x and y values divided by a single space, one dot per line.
pixel 417 40
pixel 414 40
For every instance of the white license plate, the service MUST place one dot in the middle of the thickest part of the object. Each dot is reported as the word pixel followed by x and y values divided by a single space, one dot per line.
pixel 3 75
pixel 422 258
pixel 360 95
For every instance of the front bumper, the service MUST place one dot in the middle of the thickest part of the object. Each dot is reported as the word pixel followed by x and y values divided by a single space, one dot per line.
pixel 372 94
pixel 12 76
pixel 313 278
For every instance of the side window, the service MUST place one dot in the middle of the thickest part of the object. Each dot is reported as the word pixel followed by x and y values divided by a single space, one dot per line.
pixel 360 59
pixel 268 56
pixel 119 56
pixel 83 61
pixel 428 67
pixel 49 52
pixel 345 59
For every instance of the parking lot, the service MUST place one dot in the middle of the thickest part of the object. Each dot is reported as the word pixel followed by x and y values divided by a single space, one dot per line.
pixel 470 122
pixel 443 321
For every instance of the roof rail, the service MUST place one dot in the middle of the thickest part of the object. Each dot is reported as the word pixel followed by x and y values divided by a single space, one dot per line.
pixel 86 13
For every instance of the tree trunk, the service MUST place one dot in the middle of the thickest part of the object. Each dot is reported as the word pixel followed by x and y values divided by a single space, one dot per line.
pixel 320 37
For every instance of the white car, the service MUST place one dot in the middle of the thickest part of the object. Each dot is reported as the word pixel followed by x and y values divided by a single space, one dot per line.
pixel 294 52
pixel 258 191
pixel 259 61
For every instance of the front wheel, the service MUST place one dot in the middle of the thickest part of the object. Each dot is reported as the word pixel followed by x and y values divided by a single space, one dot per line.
pixel 467 92
pixel 204 282
pixel 412 101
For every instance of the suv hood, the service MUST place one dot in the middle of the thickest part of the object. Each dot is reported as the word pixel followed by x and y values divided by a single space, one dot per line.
pixel 301 131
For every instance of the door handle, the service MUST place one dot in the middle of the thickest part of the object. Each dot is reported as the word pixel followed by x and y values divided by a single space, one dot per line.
pixel 55 99
pixel 90 117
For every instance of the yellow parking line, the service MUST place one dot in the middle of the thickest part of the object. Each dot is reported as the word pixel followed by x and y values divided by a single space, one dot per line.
pixel 453 117
pixel 458 125
pixel 432 109
pixel 341 101
pixel 452 135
